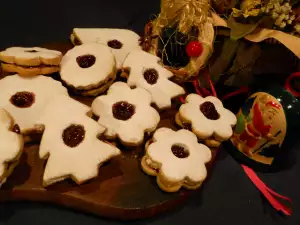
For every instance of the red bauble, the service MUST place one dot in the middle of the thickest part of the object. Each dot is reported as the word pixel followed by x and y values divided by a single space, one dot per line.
pixel 194 48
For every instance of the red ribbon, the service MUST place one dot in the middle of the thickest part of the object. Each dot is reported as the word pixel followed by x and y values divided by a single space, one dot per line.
pixel 268 193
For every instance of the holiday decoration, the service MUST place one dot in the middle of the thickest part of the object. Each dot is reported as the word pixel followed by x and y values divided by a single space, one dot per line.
pixel 266 126
pixel 182 36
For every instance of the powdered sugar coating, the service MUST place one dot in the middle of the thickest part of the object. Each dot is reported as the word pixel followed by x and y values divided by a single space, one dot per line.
pixel 145 119
pixel 76 76
pixel 163 90
pixel 10 143
pixel 128 38
pixel 81 163
pixel 202 126
pixel 44 89
pixel 178 169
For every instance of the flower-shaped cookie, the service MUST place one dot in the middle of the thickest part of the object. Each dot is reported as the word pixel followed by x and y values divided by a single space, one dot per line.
pixel 207 117
pixel 70 142
pixel 126 113
pixel 177 159
pixel 146 72
pixel 11 146
pixel 26 98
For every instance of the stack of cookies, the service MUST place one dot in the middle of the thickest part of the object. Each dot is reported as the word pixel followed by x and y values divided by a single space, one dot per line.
pixel 128 112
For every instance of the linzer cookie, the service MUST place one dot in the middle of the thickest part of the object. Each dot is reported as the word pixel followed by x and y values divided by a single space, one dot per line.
pixel 121 41
pixel 70 142
pixel 207 118
pixel 176 159
pixel 88 69
pixel 126 113
pixel 26 98
pixel 30 61
pixel 11 146
pixel 143 70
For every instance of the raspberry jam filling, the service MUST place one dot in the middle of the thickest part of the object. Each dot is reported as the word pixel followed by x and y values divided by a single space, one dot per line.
pixel 180 151
pixel 209 111
pixel 123 110
pixel 115 44
pixel 86 61
pixel 151 76
pixel 73 135
pixel 23 99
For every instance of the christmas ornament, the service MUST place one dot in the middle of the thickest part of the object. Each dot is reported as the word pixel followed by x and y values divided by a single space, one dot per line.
pixel 266 126
pixel 180 24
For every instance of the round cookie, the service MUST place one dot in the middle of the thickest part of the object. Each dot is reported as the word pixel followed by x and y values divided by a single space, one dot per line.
pixel 177 159
pixel 88 69
pixel 26 98
pixel 11 146
pixel 126 113
pixel 121 41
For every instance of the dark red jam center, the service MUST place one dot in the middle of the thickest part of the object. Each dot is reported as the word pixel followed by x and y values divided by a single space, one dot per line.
pixel 209 111
pixel 115 44
pixel 73 135
pixel 31 51
pixel 23 99
pixel 16 129
pixel 151 76
pixel 180 151
pixel 123 110
pixel 86 61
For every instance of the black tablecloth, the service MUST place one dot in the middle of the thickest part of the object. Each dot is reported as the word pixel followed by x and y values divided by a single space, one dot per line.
pixel 228 197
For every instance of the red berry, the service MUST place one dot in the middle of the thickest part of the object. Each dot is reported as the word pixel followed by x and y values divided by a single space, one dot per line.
pixel 194 49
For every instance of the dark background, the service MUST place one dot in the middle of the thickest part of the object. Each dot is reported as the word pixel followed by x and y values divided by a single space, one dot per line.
pixel 228 197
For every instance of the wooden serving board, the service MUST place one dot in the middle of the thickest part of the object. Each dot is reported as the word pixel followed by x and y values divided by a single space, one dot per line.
pixel 121 191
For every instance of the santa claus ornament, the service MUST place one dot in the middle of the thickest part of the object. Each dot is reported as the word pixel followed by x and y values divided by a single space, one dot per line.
pixel 266 129
pixel 266 125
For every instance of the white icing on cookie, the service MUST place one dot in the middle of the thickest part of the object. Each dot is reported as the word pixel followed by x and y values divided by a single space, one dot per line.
pixel 130 131
pixel 21 53
pixel 81 162
pixel 128 38
pixel 44 89
pixel 76 76
pixel 10 143
pixel 177 169
pixel 201 125
pixel 163 90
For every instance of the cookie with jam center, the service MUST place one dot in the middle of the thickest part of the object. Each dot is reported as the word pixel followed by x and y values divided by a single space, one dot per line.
pixel 11 146
pixel 70 142
pixel 88 69
pixel 25 99
pixel 176 159
pixel 120 41
pixel 145 71
pixel 126 113
pixel 207 118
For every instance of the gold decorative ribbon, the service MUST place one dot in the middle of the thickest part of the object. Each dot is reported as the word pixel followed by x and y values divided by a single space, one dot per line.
pixel 261 34
pixel 187 13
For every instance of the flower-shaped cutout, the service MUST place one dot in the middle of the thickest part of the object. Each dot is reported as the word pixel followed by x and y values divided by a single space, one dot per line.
pixel 26 98
pixel 70 142
pixel 146 72
pixel 11 146
pixel 178 159
pixel 126 113
pixel 207 117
